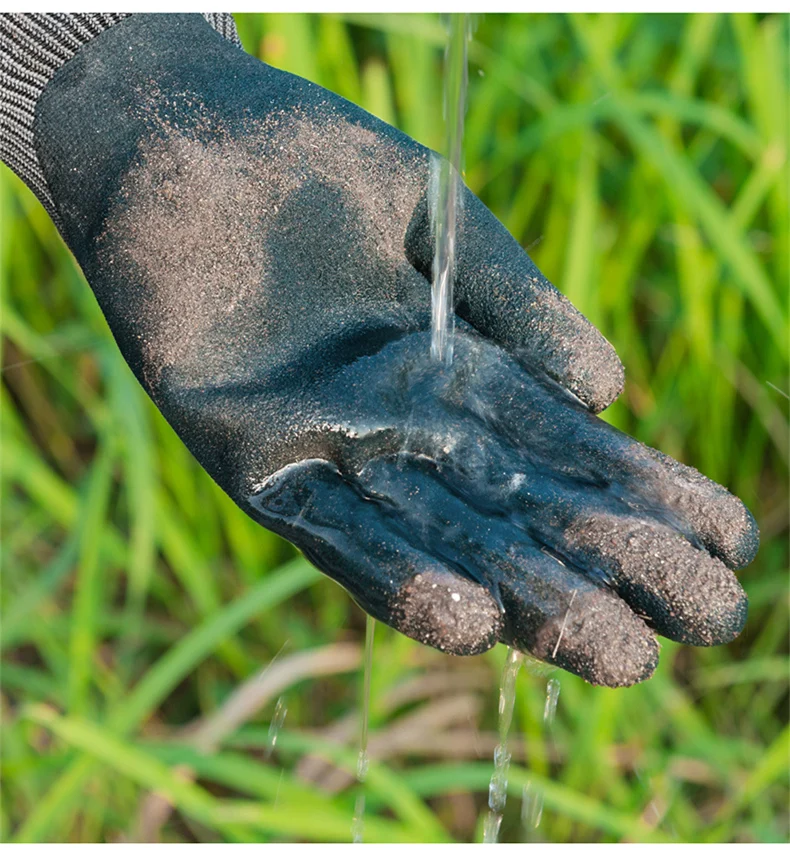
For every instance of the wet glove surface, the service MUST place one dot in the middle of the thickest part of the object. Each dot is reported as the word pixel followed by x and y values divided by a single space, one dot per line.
pixel 261 248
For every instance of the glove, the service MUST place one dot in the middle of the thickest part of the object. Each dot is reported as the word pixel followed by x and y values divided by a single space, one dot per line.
pixel 261 249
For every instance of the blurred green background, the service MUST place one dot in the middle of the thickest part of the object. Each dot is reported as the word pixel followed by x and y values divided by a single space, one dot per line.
pixel 642 161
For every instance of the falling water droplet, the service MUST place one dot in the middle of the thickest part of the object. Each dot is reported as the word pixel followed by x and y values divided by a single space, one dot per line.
pixel 497 790
pixel 275 726
pixel 531 807
pixel 550 708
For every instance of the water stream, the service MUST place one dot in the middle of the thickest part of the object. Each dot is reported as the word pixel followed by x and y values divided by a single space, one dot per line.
pixel 497 790
pixel 532 798
pixel 358 822
pixel 446 196
pixel 445 188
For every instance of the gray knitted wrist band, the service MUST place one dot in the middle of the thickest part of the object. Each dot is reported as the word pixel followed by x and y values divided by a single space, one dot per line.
pixel 32 48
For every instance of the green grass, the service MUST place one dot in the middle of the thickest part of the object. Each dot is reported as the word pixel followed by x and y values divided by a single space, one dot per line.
pixel 642 159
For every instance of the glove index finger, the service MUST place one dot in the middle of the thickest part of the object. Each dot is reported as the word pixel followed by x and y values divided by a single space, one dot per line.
pixel 502 294
pixel 360 543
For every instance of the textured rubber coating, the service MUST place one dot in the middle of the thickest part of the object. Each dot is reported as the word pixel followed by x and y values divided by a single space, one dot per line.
pixel 32 48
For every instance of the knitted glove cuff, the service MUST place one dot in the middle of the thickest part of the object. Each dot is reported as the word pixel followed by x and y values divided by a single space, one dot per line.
pixel 32 48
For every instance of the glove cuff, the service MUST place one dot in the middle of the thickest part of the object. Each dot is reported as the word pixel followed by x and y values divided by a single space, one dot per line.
pixel 32 48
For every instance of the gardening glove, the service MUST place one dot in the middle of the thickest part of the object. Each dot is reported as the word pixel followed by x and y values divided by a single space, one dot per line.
pixel 261 249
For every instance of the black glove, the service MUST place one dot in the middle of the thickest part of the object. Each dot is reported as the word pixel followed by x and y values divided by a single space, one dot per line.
pixel 261 250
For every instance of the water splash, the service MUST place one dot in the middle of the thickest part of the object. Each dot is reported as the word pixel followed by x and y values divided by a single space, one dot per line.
pixel 532 799
pixel 275 726
pixel 358 822
pixel 445 187
pixel 497 790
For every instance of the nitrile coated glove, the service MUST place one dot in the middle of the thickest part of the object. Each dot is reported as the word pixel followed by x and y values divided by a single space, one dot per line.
pixel 261 250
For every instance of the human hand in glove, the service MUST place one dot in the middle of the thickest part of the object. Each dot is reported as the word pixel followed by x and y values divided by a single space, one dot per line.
pixel 261 249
